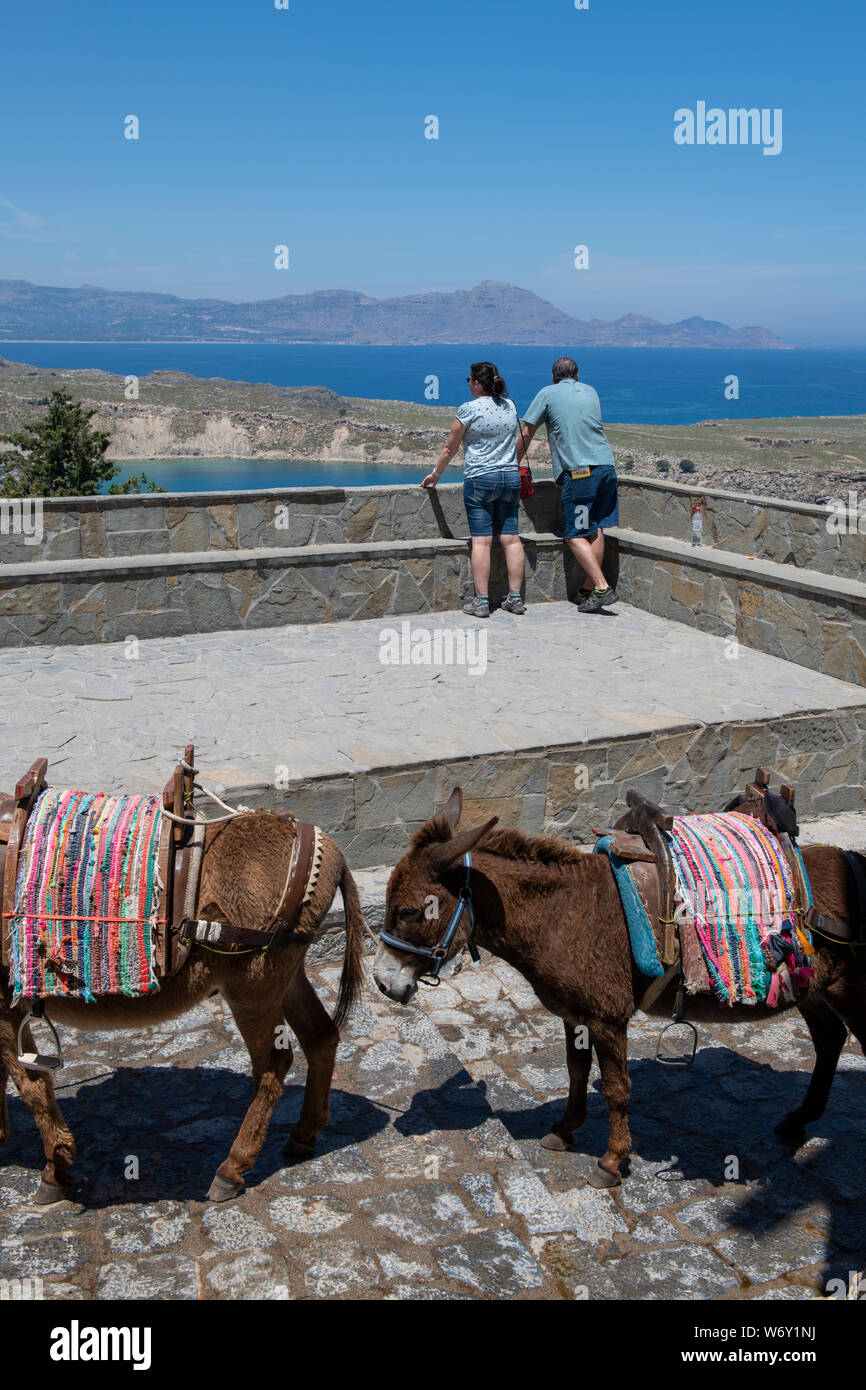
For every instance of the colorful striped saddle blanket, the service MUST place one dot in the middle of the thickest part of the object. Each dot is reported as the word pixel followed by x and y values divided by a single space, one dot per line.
pixel 87 897
pixel 736 894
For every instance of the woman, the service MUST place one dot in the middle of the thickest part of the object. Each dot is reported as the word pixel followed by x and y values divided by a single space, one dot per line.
pixel 487 426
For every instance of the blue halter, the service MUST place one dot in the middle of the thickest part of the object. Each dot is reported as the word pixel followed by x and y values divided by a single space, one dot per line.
pixel 438 953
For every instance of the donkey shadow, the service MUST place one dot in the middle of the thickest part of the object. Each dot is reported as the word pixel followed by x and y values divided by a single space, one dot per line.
pixel 148 1134
pixel 701 1131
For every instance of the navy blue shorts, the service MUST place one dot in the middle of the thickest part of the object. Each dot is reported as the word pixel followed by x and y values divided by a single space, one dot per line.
pixel 491 501
pixel 590 503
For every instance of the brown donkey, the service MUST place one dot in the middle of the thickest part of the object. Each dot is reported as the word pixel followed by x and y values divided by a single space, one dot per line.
pixel 242 878
pixel 554 913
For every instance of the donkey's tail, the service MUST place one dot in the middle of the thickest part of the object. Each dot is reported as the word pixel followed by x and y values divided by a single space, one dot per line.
pixel 352 977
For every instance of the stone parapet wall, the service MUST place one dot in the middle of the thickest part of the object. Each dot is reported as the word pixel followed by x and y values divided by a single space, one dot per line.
pixel 799 616
pixel 792 533
pixel 162 596
pixel 769 528
pixel 110 568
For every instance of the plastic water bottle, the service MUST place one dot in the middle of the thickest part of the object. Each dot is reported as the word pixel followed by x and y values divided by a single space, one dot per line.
pixel 697 525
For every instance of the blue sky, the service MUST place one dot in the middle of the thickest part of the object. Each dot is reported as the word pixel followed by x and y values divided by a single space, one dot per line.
pixel 306 127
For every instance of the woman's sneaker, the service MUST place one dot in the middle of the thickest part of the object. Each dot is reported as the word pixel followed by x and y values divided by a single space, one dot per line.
pixel 477 607
pixel 514 604
pixel 598 599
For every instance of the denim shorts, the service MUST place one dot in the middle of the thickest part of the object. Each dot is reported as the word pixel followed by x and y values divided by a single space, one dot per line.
pixel 590 503
pixel 491 501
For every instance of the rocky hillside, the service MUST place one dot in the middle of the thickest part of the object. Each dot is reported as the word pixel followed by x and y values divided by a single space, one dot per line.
pixel 180 416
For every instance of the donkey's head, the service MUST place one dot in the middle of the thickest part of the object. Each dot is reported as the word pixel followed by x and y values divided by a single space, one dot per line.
pixel 422 899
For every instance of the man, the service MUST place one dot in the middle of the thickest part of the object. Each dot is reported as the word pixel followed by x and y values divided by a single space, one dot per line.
pixel 583 470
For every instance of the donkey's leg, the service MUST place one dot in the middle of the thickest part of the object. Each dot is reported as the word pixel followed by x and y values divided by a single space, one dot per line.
pixel 319 1038
pixel 579 1060
pixel 37 1092
pixel 828 1034
pixel 261 1027
pixel 610 1041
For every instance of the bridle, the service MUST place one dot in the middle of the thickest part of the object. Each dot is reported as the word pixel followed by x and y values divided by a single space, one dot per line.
pixel 438 953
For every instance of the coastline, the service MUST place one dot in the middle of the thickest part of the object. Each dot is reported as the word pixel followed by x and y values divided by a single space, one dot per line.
pixel 179 416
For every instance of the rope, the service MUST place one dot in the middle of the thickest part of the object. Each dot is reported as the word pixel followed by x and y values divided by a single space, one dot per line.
pixel 203 820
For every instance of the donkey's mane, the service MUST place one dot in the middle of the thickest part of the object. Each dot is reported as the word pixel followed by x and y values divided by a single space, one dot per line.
pixel 504 841
pixel 545 849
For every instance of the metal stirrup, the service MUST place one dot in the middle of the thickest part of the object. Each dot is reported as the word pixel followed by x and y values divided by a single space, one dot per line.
pixel 678 1020
pixel 42 1062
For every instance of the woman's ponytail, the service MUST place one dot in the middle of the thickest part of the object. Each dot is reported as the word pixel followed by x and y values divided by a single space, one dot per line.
pixel 487 376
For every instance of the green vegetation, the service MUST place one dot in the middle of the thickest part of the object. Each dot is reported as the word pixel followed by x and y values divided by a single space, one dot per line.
pixel 803 458
pixel 60 455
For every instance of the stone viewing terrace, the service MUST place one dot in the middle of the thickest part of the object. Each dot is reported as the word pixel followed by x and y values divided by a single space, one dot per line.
pixel 771 573
pixel 546 722
pixel 174 615
pixel 277 632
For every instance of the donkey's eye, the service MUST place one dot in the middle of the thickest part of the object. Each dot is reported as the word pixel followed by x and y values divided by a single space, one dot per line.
pixel 409 914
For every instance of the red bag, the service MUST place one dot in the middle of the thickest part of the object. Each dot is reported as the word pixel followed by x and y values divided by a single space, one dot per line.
pixel 527 486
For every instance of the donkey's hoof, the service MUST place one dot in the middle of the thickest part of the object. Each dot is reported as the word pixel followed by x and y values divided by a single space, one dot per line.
pixel 791 1131
pixel 603 1177
pixel 555 1142
pixel 222 1190
pixel 49 1192
pixel 295 1149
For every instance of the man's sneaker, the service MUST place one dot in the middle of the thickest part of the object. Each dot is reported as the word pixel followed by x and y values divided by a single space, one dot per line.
pixel 477 607
pixel 514 604
pixel 598 599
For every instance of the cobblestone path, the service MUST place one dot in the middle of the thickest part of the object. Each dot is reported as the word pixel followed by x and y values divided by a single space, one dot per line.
pixel 431 1181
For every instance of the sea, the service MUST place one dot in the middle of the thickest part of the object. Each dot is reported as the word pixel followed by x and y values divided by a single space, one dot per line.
pixel 665 386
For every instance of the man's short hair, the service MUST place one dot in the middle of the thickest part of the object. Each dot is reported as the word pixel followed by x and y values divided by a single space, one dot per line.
pixel 565 369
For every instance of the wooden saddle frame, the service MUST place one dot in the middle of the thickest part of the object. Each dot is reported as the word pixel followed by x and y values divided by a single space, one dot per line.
pixel 180 849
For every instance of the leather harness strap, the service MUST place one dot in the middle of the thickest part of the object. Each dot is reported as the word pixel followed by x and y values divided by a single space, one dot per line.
pixel 298 874
pixel 301 879
pixel 222 935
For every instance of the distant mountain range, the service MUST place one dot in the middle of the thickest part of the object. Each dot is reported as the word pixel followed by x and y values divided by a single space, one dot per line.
pixel 491 312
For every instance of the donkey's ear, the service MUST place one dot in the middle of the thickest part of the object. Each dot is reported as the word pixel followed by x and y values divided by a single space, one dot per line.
pixel 453 807
pixel 450 852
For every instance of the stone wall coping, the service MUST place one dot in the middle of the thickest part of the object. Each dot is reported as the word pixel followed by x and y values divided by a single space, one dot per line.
pixel 741 566
pixel 698 490
pixel 126 567
pixel 325 493
pixel 825 587
pixel 102 502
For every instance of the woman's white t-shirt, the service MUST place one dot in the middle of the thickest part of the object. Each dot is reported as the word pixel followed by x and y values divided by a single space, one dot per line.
pixel 489 443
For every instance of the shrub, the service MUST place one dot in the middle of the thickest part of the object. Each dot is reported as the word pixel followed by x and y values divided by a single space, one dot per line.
pixel 61 456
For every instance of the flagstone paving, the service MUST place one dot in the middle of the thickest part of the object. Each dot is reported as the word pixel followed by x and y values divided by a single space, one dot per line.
pixel 430 1181
pixel 319 701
